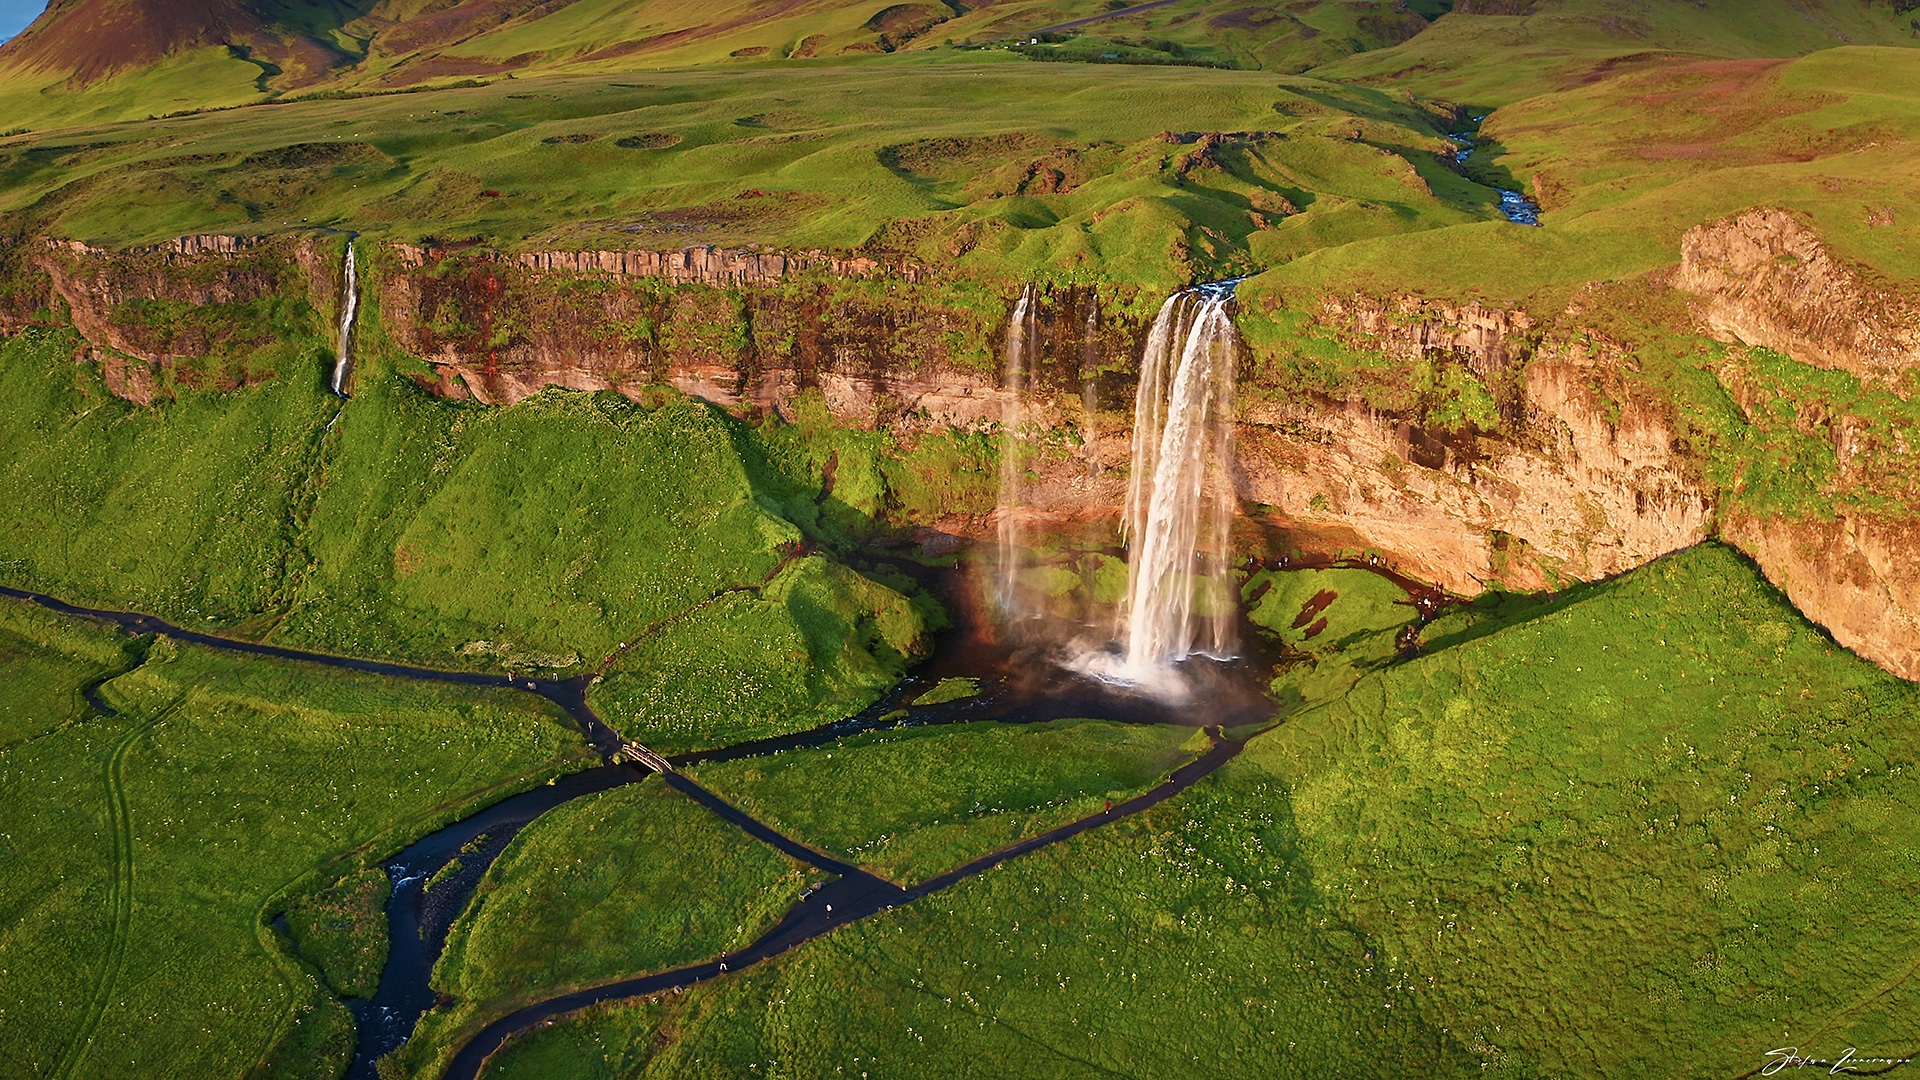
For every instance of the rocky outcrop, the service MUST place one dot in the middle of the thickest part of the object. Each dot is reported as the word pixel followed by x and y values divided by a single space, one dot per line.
pixel 1857 575
pixel 204 244
pixel 719 267
pixel 181 309
pixel 1580 494
pixel 1488 338
pixel 1767 280
pixel 741 330
pixel 1588 476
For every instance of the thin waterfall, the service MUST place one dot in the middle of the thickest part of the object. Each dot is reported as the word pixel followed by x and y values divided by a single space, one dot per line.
pixel 1090 382
pixel 349 303
pixel 1180 497
pixel 1011 554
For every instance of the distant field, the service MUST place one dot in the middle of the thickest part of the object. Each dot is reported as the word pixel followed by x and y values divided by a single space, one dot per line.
pixel 1001 169
pixel 397 44
pixel 996 167
pixel 1497 57
pixel 1625 167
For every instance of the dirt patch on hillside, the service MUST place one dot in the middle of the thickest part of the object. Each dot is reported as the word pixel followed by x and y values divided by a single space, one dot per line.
pixel 960 157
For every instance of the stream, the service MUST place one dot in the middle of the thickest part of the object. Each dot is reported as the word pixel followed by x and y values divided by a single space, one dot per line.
pixel 1020 690
pixel 1517 207
pixel 845 900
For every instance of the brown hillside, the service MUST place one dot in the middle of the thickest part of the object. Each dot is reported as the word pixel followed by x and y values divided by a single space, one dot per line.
pixel 86 40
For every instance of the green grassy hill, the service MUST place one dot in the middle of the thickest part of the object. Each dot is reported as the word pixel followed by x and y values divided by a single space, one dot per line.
pixel 148 851
pixel 1003 165
pixel 1656 826
pixel 107 60
pixel 1521 49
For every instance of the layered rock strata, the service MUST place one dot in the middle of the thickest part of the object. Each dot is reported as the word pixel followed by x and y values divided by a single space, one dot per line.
pixel 1766 279
pixel 1584 475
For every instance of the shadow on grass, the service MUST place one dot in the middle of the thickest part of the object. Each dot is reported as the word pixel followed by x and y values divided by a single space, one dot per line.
pixel 1495 611
pixel 927 186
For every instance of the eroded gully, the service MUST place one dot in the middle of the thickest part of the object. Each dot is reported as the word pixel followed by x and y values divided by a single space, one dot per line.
pixel 417 924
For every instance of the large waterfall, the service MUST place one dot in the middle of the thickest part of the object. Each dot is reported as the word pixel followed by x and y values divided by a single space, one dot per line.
pixel 349 302
pixel 1012 554
pixel 1180 497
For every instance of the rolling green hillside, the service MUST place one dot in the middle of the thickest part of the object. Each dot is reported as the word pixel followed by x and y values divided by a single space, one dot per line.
pixel 109 60
pixel 1003 165
pixel 1625 166
pixel 1656 826
pixel 1516 50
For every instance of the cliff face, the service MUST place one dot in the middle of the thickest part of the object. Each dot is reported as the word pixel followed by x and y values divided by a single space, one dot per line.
pixel 1857 575
pixel 743 330
pixel 1571 470
pixel 1589 476
pixel 718 267
pixel 1579 495
pixel 1767 280
pixel 189 309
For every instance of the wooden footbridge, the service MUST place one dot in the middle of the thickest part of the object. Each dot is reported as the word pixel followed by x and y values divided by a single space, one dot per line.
pixel 633 751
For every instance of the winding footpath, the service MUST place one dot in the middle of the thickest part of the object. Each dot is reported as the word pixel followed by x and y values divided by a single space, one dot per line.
pixel 405 993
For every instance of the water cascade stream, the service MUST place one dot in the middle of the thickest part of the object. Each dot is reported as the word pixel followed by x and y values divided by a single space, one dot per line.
pixel 1513 204
pixel 349 304
pixel 1011 553
pixel 1180 497
pixel 1090 383
pixel 1180 500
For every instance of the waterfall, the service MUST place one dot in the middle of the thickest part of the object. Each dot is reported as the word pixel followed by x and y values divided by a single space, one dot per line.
pixel 1180 500
pixel 1090 382
pixel 1180 497
pixel 349 302
pixel 1017 373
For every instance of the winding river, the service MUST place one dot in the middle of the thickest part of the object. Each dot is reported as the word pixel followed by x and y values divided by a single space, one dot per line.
pixel 417 924
pixel 1517 207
